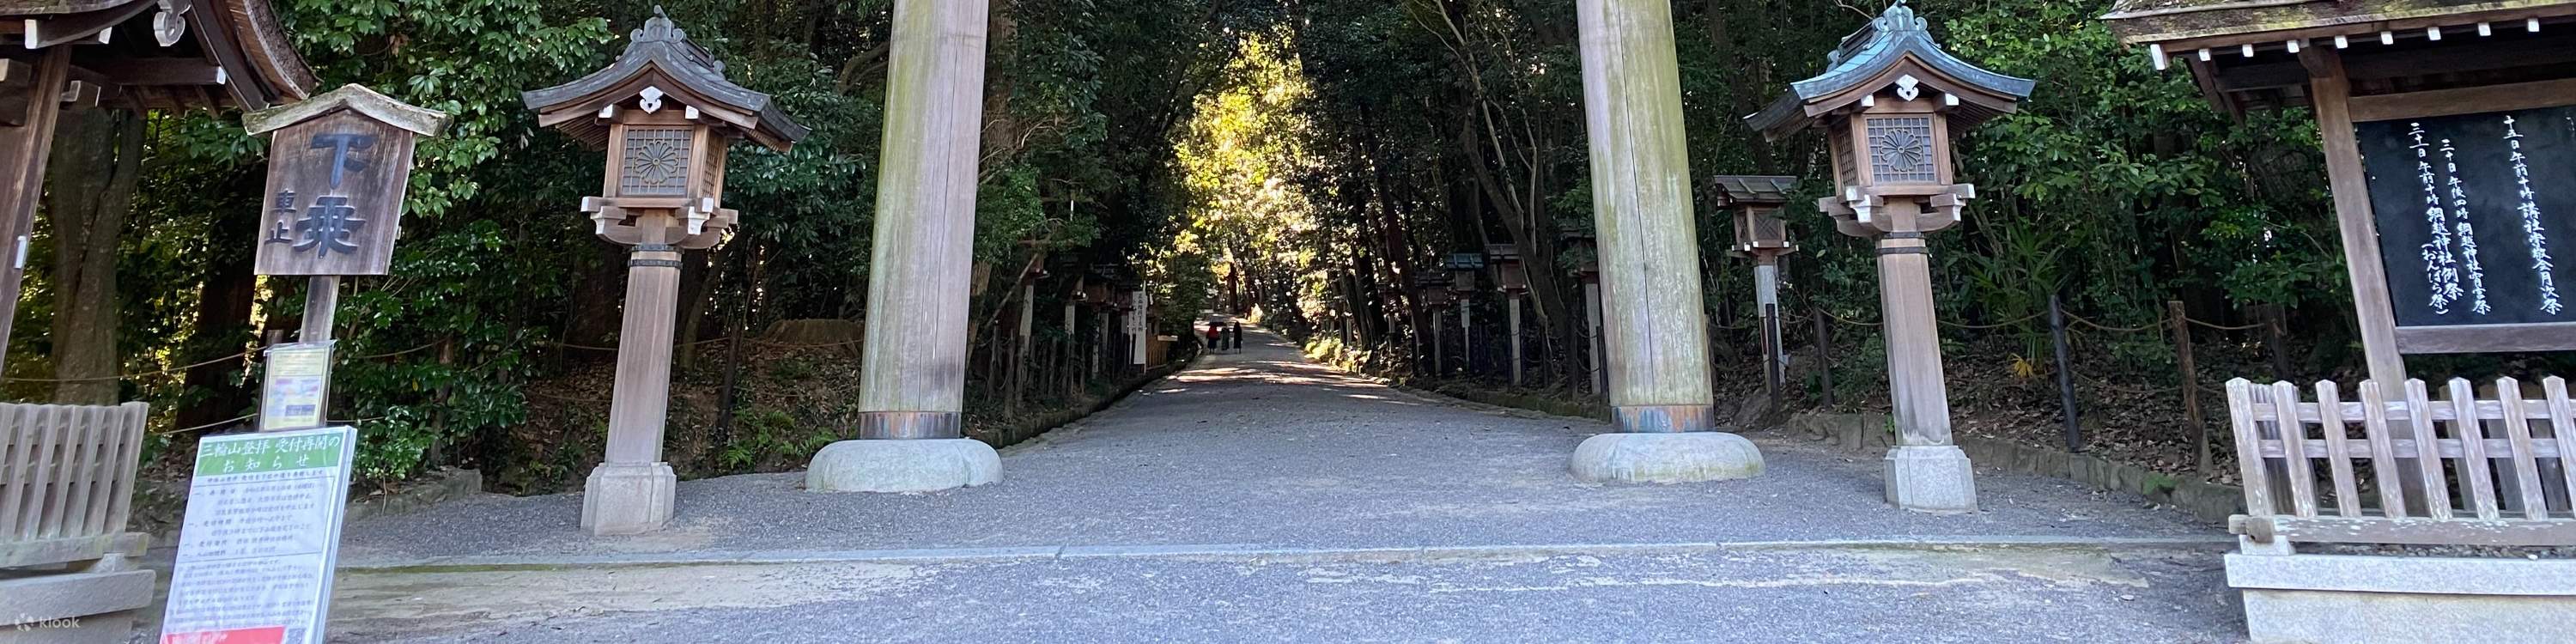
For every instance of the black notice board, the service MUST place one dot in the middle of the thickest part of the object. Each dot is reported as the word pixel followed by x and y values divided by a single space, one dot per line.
pixel 2492 240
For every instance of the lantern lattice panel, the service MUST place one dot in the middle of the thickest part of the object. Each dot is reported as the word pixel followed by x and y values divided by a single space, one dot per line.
pixel 657 162
pixel 1900 149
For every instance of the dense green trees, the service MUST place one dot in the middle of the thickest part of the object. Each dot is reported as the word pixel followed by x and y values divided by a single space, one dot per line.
pixel 1317 155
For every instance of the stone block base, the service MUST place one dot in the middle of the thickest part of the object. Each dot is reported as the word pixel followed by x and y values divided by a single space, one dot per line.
pixel 1931 478
pixel 903 465
pixel 2373 599
pixel 1666 458
pixel 74 607
pixel 628 498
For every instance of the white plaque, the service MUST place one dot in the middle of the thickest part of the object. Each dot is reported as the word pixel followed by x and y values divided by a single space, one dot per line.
pixel 261 535
pixel 297 384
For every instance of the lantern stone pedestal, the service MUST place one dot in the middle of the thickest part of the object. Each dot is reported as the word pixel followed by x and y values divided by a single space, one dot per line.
pixel 1654 327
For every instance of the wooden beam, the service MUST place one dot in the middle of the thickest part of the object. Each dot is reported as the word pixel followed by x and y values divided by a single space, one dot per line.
pixel 2421 531
pixel 2350 186
pixel 23 152
pixel 2488 338
pixel 154 71
pixel 2465 100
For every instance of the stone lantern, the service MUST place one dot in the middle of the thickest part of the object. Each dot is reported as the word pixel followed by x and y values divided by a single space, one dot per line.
pixel 1761 234
pixel 665 114
pixel 1888 102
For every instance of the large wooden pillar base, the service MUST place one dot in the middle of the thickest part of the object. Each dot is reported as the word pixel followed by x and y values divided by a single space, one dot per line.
pixel 903 465
pixel 1930 478
pixel 1662 419
pixel 1684 457
pixel 628 498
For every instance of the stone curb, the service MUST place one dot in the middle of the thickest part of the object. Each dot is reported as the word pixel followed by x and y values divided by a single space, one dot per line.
pixel 1260 553
pixel 1868 434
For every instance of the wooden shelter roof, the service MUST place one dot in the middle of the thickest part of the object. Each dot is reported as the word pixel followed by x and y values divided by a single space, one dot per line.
pixel 659 55
pixel 2245 54
pixel 188 53
pixel 1735 190
pixel 2180 25
pixel 1895 40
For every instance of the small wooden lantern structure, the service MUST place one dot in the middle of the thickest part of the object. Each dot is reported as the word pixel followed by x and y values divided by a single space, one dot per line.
pixel 666 114
pixel 1761 234
pixel 1888 102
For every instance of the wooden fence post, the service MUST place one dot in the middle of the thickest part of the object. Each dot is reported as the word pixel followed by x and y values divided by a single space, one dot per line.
pixel 2065 376
pixel 1824 354
pixel 2190 379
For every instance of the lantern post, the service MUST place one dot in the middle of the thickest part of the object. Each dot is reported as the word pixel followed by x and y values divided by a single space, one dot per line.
pixel 1755 203
pixel 1513 280
pixel 1887 105
pixel 665 114
pixel 1463 268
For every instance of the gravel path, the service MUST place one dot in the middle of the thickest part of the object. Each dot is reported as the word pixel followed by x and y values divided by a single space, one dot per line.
pixel 1879 597
pixel 1263 448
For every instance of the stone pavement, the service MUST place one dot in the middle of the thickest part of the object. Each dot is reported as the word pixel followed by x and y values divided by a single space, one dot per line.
pixel 1258 496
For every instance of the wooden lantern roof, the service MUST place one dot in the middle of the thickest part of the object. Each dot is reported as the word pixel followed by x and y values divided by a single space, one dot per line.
pixel 1747 190
pixel 1893 45
pixel 2245 53
pixel 186 54
pixel 659 56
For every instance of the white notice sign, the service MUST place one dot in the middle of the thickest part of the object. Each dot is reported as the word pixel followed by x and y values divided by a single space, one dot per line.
pixel 261 535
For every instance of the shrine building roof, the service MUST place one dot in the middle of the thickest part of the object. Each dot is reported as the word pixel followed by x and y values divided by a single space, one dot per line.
pixel 188 53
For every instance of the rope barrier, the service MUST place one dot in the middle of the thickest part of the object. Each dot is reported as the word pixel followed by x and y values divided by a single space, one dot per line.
pixel 236 356
pixel 2115 329
pixel 1997 325
pixel 211 425
pixel 2222 327
pixel 1843 320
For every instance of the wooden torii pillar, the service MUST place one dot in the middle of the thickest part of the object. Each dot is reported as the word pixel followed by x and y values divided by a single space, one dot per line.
pixel 1653 323
pixel 912 385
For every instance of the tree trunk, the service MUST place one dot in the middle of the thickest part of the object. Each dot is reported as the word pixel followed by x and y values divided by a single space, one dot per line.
pixel 95 167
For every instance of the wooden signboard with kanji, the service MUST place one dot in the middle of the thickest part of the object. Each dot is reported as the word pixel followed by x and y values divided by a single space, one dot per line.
pixel 335 194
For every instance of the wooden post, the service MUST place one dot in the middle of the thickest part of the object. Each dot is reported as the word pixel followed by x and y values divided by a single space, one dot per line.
pixel 2190 379
pixel 2331 92
pixel 1653 324
pixel 321 304
pixel 1466 337
pixel 1926 472
pixel 641 398
pixel 23 152
pixel 1766 296
pixel 2065 376
pixel 1824 354
pixel 1592 347
pixel 1439 349
pixel 1020 345
pixel 911 386
pixel 1513 301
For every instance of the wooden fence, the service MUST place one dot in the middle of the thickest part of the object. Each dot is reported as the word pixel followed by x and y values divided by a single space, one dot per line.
pixel 67 481
pixel 2495 477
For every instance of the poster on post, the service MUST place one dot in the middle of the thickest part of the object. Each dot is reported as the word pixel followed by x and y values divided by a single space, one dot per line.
pixel 260 538
pixel 297 383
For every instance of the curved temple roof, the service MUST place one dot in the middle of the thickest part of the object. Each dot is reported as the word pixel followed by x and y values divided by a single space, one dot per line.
pixel 210 53
pixel 1891 39
pixel 661 49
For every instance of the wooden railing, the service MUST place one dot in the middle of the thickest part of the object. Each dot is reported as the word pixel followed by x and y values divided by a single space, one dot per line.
pixel 67 481
pixel 2497 472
